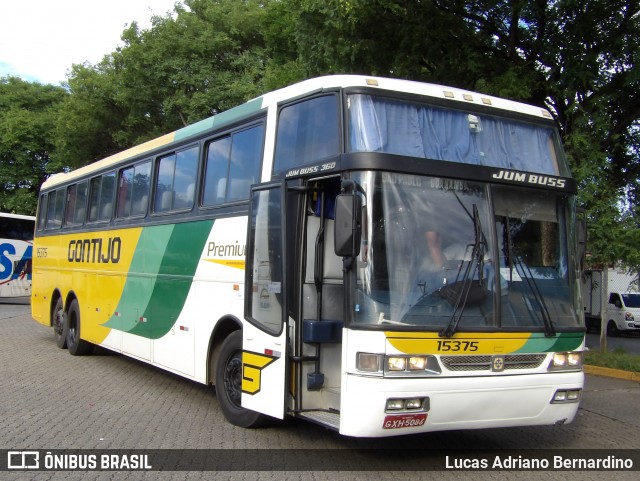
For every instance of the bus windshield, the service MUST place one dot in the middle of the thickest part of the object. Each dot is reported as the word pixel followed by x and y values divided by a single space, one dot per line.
pixel 449 254
pixel 378 124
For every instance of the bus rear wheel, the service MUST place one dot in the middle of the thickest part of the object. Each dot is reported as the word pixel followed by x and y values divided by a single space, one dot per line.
pixel 229 384
pixel 75 345
pixel 58 321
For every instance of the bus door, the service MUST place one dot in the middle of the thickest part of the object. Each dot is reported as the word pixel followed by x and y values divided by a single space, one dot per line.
pixel 264 355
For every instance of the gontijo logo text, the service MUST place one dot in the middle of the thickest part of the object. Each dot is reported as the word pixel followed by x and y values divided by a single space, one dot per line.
pixel 95 250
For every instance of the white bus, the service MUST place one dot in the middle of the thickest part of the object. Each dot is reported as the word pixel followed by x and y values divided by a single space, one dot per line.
pixel 16 247
pixel 378 256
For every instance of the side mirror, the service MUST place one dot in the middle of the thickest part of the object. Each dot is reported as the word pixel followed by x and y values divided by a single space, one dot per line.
pixel 348 225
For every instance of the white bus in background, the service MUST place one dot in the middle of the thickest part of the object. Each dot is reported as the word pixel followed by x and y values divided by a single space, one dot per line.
pixel 16 247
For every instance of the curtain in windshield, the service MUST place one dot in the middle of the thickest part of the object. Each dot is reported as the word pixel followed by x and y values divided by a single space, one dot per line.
pixel 396 127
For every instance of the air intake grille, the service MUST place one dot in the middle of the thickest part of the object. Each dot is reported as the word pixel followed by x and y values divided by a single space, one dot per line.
pixel 483 363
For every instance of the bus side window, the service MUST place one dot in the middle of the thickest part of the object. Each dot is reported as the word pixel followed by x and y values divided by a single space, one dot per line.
pixel 176 173
pixel 244 165
pixel 307 131
pixel 55 209
pixel 75 204
pixel 233 165
pixel 133 190
pixel 42 211
pixel 101 197
pixel 71 204
pixel 81 203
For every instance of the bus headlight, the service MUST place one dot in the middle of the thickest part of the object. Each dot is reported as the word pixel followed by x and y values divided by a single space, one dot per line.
pixel 411 365
pixel 566 361
pixel 396 363
pixel 628 316
pixel 367 362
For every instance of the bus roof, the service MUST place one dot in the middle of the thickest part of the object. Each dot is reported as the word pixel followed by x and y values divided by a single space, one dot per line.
pixel 457 97
pixel 17 216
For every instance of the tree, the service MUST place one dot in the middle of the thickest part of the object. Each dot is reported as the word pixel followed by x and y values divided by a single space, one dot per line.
pixel 578 58
pixel 27 114
pixel 206 57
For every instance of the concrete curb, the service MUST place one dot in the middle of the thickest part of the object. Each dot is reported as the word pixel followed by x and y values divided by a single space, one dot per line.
pixel 615 373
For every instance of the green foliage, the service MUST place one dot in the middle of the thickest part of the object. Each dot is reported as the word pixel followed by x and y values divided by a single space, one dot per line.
pixel 578 58
pixel 27 111
pixel 617 359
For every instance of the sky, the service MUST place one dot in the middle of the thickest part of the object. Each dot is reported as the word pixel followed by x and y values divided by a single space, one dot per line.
pixel 41 39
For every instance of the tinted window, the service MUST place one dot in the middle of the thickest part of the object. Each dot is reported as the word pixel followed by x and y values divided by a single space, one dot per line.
pixel 101 197
pixel 133 190
pixel 217 169
pixel 176 180
pixel 42 210
pixel 233 165
pixel 18 229
pixel 55 208
pixel 76 204
pixel 307 131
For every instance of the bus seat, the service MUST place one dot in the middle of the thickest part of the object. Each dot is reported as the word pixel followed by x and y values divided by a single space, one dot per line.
pixel 140 207
pixel 106 211
pixel 165 200
pixel 191 191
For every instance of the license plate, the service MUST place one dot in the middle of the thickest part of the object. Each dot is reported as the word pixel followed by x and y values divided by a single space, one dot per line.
pixel 398 421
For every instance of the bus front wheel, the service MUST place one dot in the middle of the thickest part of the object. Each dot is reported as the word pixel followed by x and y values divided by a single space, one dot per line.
pixel 58 321
pixel 229 384
pixel 75 345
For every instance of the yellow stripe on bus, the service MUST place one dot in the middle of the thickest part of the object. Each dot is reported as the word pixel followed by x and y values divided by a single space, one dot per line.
pixel 94 265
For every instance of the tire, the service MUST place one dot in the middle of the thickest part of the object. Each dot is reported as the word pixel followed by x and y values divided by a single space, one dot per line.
pixel 75 345
pixel 229 384
pixel 612 329
pixel 59 324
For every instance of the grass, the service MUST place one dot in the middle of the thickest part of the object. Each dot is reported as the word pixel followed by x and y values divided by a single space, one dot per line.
pixel 616 359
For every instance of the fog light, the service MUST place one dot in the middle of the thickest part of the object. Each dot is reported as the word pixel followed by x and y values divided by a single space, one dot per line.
pixel 413 403
pixel 573 395
pixel 566 396
pixel 396 363
pixel 560 396
pixel 395 404
pixel 368 362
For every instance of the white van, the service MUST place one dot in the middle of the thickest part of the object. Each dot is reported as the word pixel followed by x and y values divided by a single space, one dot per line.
pixel 623 312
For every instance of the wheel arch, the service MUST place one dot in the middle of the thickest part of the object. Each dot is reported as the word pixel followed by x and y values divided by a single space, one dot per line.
pixel 55 295
pixel 71 295
pixel 224 327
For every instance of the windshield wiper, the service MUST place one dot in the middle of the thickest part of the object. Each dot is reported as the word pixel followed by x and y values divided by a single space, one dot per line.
pixel 514 254
pixel 549 329
pixel 465 285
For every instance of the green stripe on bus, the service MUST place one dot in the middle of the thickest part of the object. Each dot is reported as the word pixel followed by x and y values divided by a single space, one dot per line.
pixel 160 276
pixel 143 270
pixel 219 120
pixel 567 341
pixel 173 282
